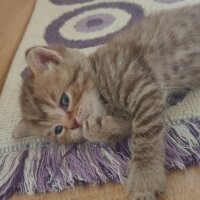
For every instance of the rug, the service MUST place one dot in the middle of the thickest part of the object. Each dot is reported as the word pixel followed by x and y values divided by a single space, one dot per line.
pixel 32 165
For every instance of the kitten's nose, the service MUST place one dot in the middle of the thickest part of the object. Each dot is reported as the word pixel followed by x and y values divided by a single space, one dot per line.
pixel 75 125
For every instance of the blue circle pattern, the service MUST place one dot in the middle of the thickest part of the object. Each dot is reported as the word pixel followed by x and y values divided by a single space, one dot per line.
pixel 94 23
pixel 52 34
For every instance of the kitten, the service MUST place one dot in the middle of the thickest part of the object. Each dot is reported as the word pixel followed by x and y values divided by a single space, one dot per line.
pixel 118 90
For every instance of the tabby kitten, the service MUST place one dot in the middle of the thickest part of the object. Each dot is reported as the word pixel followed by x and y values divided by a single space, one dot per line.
pixel 118 90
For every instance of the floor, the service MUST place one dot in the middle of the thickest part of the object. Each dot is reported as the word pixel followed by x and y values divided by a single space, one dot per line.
pixel 14 16
pixel 180 186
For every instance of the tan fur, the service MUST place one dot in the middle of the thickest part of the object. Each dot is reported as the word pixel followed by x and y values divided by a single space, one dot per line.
pixel 118 90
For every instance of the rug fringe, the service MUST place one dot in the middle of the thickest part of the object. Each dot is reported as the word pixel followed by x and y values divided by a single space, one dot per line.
pixel 183 144
pixel 53 168
pixel 11 172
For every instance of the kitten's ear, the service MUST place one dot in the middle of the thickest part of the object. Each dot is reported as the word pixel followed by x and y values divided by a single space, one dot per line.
pixel 23 129
pixel 39 58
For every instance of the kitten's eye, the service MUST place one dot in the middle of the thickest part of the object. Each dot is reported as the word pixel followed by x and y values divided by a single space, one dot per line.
pixel 58 130
pixel 64 101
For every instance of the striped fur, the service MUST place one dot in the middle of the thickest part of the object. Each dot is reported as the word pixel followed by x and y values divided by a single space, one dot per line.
pixel 121 90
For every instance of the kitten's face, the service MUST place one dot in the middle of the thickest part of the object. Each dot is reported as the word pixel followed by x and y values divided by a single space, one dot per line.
pixel 58 93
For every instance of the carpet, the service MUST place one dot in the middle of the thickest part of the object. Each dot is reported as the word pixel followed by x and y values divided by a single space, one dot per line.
pixel 32 164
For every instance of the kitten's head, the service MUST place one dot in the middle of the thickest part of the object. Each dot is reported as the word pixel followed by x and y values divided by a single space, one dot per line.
pixel 58 93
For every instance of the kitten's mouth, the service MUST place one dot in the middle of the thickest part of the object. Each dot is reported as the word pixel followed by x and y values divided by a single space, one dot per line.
pixel 80 120
pixel 75 125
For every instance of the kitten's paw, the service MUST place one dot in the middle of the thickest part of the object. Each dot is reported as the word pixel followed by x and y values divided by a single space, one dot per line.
pixel 144 193
pixel 146 185
pixel 108 123
pixel 93 129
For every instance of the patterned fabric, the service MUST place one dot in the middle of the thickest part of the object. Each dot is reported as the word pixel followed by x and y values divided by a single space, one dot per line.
pixel 34 165
pixel 92 25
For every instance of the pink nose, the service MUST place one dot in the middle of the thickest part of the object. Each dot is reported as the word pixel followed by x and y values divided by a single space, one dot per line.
pixel 75 125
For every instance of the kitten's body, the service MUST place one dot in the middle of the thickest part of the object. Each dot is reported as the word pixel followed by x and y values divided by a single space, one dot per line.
pixel 166 44
pixel 133 73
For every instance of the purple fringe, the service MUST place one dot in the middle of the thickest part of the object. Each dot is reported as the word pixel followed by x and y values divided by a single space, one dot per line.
pixel 11 186
pixel 53 168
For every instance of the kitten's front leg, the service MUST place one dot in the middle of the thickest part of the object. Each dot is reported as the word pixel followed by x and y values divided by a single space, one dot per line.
pixel 146 178
pixel 105 127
